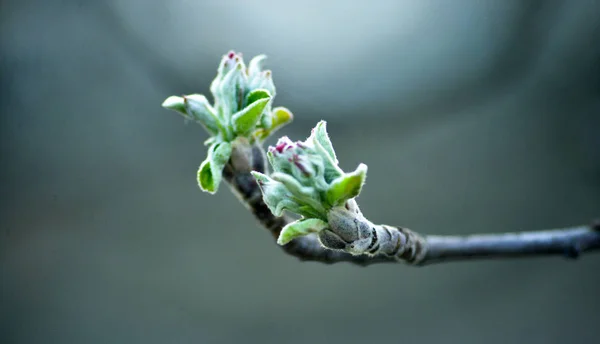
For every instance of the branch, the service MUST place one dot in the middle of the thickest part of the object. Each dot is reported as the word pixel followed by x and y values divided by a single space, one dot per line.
pixel 307 180
pixel 569 242
pixel 387 244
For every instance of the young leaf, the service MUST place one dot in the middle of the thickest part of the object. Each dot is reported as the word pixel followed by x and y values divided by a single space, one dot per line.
pixel 321 136
pixel 281 117
pixel 198 108
pixel 300 228
pixel 331 169
pixel 210 172
pixel 231 87
pixel 244 121
pixel 255 65
pixel 256 95
pixel 346 187
pixel 221 154
pixel 176 104
pixel 275 194
pixel 205 177
pixel 294 185
pixel 261 178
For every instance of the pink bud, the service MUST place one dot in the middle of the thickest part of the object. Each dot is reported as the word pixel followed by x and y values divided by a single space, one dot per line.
pixel 280 147
pixel 230 60
pixel 284 143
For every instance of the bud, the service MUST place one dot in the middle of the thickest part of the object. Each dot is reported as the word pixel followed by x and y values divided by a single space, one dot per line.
pixel 297 159
pixel 227 64
pixel 309 172
pixel 241 112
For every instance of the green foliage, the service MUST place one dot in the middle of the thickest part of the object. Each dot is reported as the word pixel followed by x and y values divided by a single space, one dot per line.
pixel 300 228
pixel 242 108
pixel 210 172
pixel 307 180
pixel 346 187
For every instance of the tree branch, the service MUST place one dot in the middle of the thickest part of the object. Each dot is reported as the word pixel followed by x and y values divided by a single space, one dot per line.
pixel 569 242
pixel 386 244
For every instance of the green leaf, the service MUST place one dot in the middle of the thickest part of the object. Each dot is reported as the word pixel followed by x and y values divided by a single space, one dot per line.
pixel 331 169
pixel 275 194
pixel 257 95
pixel 321 136
pixel 281 117
pixel 198 108
pixel 221 154
pixel 300 228
pixel 310 212
pixel 278 165
pixel 210 172
pixel 294 185
pixel 346 187
pixel 205 177
pixel 231 87
pixel 244 121
pixel 261 178
pixel 307 197
pixel 176 104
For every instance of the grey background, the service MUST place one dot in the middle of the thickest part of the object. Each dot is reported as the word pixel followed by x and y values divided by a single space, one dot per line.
pixel 473 116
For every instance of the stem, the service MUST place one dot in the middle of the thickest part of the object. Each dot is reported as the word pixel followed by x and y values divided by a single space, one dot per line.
pixel 373 244
pixel 569 242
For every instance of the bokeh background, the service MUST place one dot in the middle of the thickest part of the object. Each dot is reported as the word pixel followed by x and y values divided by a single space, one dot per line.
pixel 473 116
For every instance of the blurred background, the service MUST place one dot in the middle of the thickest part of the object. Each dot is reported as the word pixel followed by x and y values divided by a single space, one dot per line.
pixel 473 116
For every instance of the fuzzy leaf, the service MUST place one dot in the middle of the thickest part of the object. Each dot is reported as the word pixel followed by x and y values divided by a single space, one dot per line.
pixel 321 136
pixel 210 172
pixel 261 178
pixel 275 194
pixel 277 164
pixel 231 88
pixel 331 169
pixel 346 187
pixel 293 185
pixel 221 154
pixel 198 108
pixel 255 65
pixel 244 121
pixel 300 228
pixel 176 104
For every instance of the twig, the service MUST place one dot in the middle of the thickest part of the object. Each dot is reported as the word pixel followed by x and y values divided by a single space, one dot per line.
pixel 569 242
pixel 393 244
